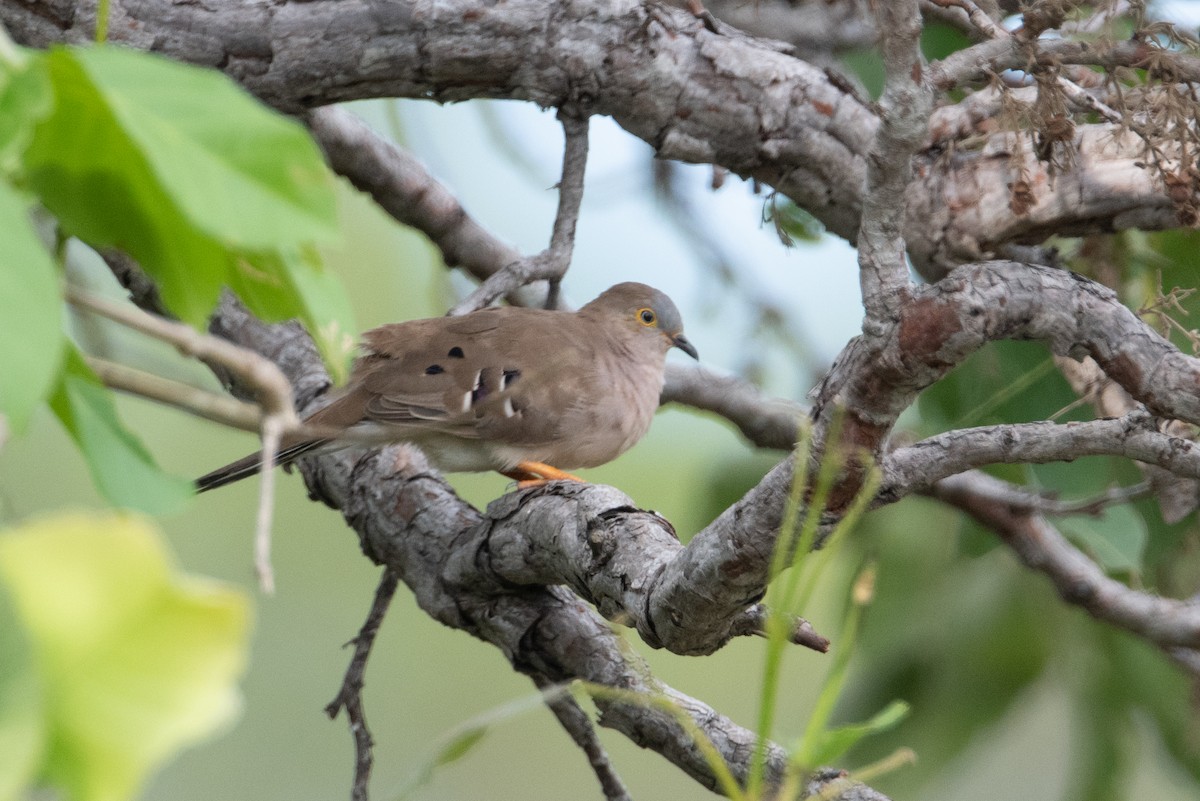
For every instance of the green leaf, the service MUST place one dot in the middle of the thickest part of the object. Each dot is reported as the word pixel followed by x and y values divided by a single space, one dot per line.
pixel 1117 540
pixel 23 740
pixel 137 660
pixel 121 467
pixel 25 99
pixel 181 169
pixel 1002 382
pixel 30 313
pixel 792 222
pixel 831 744
pixel 460 746
pixel 107 194
pixel 939 40
pixel 244 175
pixel 866 65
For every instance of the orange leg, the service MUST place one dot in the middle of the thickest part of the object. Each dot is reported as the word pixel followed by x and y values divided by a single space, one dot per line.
pixel 536 474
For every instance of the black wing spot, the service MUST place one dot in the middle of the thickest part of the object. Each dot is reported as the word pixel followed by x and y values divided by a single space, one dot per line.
pixel 509 377
pixel 434 369
pixel 456 353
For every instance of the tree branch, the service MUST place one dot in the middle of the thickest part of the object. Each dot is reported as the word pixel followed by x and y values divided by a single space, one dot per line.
pixel 577 725
pixel 551 264
pixel 918 467
pixel 1078 580
pixel 904 110
pixel 693 95
pixel 349 696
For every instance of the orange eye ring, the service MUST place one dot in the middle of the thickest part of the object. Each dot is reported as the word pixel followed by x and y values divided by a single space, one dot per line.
pixel 647 317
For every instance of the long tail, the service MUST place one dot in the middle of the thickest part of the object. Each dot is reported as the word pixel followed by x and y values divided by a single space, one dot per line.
pixel 249 465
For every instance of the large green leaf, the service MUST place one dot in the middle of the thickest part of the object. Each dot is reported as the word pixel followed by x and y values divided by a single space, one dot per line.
pixel 179 167
pixel 94 177
pixel 241 173
pixel 1116 539
pixel 25 99
pixel 122 469
pixel 23 739
pixel 30 313
pixel 136 660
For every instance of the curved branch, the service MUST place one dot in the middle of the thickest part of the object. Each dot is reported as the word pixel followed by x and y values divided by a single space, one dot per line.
pixel 693 95
pixel 917 468
pixel 1040 546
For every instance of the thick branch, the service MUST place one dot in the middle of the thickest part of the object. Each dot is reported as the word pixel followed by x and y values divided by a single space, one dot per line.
pixel 917 468
pixel 904 109
pixel 693 95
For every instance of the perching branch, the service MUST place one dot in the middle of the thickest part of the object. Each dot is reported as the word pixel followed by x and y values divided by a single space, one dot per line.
pixel 412 522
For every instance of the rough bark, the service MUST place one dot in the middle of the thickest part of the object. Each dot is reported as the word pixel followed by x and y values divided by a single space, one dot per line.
pixel 695 95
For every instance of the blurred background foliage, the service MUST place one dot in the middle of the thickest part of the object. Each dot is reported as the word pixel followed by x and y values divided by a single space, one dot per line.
pixel 1013 695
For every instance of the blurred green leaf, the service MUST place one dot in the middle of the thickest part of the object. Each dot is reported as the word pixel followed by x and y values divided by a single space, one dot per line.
pixel 867 66
pixel 30 313
pixel 1116 540
pixel 831 744
pixel 241 173
pixel 25 99
pixel 122 469
pixel 107 193
pixel 193 178
pixel 1143 679
pixel 1002 382
pixel 960 640
pixel 1175 256
pixel 23 739
pixel 791 222
pixel 939 40
pixel 137 661
pixel 460 746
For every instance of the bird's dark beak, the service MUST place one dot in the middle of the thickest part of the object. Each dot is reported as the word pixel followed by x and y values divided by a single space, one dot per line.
pixel 681 342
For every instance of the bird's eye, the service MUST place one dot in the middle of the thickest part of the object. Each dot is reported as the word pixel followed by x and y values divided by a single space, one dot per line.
pixel 647 316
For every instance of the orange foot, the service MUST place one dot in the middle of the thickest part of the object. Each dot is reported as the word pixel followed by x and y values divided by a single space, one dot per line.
pixel 536 474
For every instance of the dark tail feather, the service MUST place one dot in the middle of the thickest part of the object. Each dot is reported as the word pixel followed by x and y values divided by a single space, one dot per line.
pixel 252 464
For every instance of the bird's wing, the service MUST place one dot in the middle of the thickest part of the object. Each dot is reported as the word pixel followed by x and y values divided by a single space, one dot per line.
pixel 499 377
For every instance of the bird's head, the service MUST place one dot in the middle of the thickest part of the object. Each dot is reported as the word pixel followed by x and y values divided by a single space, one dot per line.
pixel 644 313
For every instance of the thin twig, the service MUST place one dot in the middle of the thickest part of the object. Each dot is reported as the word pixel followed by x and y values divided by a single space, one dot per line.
pixel 800 631
pixel 1020 499
pixel 552 263
pixel 222 409
pixel 977 16
pixel 1166 622
pixel 272 430
pixel 271 388
pixel 262 375
pixel 349 696
pixel 576 722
